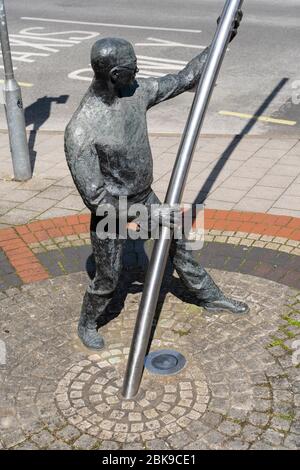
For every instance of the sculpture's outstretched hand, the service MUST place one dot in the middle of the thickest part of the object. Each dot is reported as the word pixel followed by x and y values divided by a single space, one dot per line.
pixel 235 25
pixel 167 215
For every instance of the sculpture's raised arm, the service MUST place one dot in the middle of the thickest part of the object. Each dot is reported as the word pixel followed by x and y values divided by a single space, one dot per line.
pixel 164 88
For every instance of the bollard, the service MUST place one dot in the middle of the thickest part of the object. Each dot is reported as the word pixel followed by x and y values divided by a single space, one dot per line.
pixel 14 108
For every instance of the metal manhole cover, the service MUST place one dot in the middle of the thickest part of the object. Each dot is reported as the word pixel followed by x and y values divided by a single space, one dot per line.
pixel 164 362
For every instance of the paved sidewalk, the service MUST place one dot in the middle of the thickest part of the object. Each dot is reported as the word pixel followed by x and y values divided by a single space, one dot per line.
pixel 248 174
pixel 240 388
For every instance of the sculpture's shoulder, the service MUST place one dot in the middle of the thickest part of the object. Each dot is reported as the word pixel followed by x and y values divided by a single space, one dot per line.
pixel 147 85
pixel 148 89
pixel 78 131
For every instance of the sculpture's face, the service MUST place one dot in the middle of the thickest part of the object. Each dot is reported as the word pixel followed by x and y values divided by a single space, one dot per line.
pixel 124 74
pixel 114 59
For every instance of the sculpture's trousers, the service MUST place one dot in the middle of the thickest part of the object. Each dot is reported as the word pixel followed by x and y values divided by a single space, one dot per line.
pixel 108 259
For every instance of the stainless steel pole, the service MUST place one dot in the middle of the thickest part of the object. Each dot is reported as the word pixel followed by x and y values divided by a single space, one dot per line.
pixel 161 248
pixel 14 108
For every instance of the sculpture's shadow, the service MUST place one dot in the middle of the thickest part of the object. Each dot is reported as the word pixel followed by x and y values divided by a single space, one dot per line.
pixel 36 115
pixel 132 280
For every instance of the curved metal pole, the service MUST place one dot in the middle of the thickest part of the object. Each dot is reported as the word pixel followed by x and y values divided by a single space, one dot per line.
pixel 161 248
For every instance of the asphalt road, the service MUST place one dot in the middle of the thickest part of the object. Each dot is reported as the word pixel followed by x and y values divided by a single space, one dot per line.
pixel 51 42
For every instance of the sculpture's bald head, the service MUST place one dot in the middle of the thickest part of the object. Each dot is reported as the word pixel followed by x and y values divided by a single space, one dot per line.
pixel 113 54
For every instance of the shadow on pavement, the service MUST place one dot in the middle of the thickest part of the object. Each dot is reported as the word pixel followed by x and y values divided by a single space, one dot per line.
pixel 132 282
pixel 37 114
pixel 207 186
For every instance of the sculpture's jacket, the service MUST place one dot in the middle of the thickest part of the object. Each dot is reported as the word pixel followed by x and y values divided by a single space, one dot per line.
pixel 106 144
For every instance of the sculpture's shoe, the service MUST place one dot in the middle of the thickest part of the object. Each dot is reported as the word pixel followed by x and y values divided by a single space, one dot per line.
pixel 226 304
pixel 90 337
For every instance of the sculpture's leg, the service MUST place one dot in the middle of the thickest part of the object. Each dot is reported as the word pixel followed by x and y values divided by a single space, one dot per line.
pixel 196 279
pixel 192 274
pixel 108 259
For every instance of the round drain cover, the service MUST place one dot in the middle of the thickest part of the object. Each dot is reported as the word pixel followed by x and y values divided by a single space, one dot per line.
pixel 164 362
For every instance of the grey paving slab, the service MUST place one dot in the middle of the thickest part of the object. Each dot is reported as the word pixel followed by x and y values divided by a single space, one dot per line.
pixel 73 202
pixel 269 153
pixel 206 157
pixel 247 170
pixel 19 195
pixel 56 192
pixel 66 181
pixel 253 204
pixel 9 185
pixel 215 204
pixel 18 216
pixel 295 150
pixel 290 212
pixel 283 170
pixel 281 144
pixel 240 155
pixel 232 170
pixel 54 173
pixel 275 181
pixel 227 195
pixel 265 192
pixel 237 182
pixel 6 206
pixel 293 190
pixel 43 165
pixel 288 202
pixel 55 212
pixel 35 184
pixel 260 163
pixel 37 204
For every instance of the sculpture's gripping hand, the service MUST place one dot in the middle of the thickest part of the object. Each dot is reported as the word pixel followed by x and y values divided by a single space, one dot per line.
pixel 167 215
pixel 235 25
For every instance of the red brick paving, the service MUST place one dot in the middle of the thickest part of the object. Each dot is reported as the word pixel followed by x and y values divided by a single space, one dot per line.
pixel 15 241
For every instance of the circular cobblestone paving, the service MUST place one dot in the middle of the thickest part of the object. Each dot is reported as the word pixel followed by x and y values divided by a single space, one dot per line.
pixel 89 396
pixel 240 387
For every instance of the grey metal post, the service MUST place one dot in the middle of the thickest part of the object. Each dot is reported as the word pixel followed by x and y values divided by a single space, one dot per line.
pixel 161 248
pixel 14 108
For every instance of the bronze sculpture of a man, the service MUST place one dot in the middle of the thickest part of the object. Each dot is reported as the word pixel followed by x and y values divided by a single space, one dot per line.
pixel 109 156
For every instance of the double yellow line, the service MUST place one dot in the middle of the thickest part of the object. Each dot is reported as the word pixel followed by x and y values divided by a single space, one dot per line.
pixel 23 84
pixel 283 122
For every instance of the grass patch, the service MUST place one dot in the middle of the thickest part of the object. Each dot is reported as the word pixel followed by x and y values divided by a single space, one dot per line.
pixel 292 322
pixel 182 332
pixel 285 417
pixel 279 342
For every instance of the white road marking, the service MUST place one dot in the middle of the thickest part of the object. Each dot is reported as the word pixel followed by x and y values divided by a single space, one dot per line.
pixel 158 59
pixel 111 25
pixel 2 66
pixel 149 67
pixel 160 66
pixel 76 75
pixel 18 42
pixel 36 40
pixel 149 73
pixel 57 42
pixel 85 35
pixel 163 43
pixel 2 353
pixel 24 56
